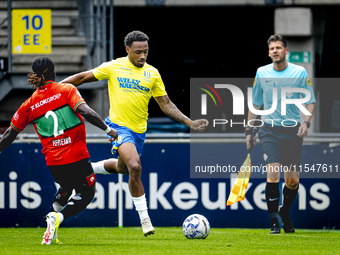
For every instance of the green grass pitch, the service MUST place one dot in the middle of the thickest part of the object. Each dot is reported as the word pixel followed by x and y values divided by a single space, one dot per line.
pixel 168 240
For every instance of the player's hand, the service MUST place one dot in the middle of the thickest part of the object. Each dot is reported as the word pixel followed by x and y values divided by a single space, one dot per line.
pixel 199 124
pixel 248 141
pixel 303 130
pixel 114 134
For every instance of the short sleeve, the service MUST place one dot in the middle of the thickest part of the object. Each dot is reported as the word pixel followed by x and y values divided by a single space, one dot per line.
pixel 74 97
pixel 102 72
pixel 158 88
pixel 306 84
pixel 21 117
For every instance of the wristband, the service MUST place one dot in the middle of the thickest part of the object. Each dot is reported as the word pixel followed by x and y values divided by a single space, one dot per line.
pixel 308 123
pixel 248 131
pixel 107 130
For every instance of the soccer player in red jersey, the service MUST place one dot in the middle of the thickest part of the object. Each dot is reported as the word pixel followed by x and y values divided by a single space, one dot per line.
pixel 55 110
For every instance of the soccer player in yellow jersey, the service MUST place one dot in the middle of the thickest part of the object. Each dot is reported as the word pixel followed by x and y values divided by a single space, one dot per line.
pixel 132 82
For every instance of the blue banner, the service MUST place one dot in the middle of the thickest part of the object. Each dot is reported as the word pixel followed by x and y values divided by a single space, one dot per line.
pixel 27 189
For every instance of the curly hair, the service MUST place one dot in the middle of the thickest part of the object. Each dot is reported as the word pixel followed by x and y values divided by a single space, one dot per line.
pixel 275 38
pixel 42 70
pixel 135 36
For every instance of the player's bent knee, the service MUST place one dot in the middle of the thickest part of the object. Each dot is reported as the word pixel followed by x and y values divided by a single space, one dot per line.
pixel 292 183
pixel 135 170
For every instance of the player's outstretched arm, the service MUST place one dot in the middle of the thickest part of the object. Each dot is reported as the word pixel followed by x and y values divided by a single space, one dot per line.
pixel 172 111
pixel 8 137
pixel 80 78
pixel 91 116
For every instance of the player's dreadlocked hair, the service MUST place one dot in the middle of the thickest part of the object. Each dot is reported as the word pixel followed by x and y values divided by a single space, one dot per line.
pixel 275 38
pixel 135 36
pixel 42 70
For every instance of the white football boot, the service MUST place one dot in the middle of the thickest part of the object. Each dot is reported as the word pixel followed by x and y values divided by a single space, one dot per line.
pixel 53 223
pixel 148 229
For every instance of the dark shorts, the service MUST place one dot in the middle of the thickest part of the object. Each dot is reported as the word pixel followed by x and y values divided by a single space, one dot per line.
pixel 77 175
pixel 281 145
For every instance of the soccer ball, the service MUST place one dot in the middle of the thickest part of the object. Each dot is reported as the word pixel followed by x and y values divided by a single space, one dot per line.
pixel 196 226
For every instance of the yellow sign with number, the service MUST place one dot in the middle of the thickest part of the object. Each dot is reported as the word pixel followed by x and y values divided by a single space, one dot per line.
pixel 31 31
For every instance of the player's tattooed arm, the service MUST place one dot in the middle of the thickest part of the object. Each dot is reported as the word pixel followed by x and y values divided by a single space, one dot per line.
pixel 170 109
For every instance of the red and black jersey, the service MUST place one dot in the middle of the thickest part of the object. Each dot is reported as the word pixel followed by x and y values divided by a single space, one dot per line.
pixel 52 110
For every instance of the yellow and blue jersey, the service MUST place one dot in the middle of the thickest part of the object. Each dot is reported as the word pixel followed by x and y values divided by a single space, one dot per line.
pixel 267 78
pixel 130 90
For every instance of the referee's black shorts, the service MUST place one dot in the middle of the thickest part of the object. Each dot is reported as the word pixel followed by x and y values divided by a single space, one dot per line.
pixel 281 145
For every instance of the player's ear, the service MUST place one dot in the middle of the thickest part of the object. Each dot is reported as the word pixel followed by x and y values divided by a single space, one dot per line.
pixel 127 48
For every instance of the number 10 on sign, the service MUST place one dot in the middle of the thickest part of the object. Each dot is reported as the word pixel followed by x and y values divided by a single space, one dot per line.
pixel 31 31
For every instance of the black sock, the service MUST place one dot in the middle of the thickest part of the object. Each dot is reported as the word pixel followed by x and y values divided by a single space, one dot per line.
pixel 60 199
pixel 289 196
pixel 273 198
pixel 79 202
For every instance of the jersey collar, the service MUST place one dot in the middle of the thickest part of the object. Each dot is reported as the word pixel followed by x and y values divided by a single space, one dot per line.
pixel 46 83
pixel 132 65
pixel 281 70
